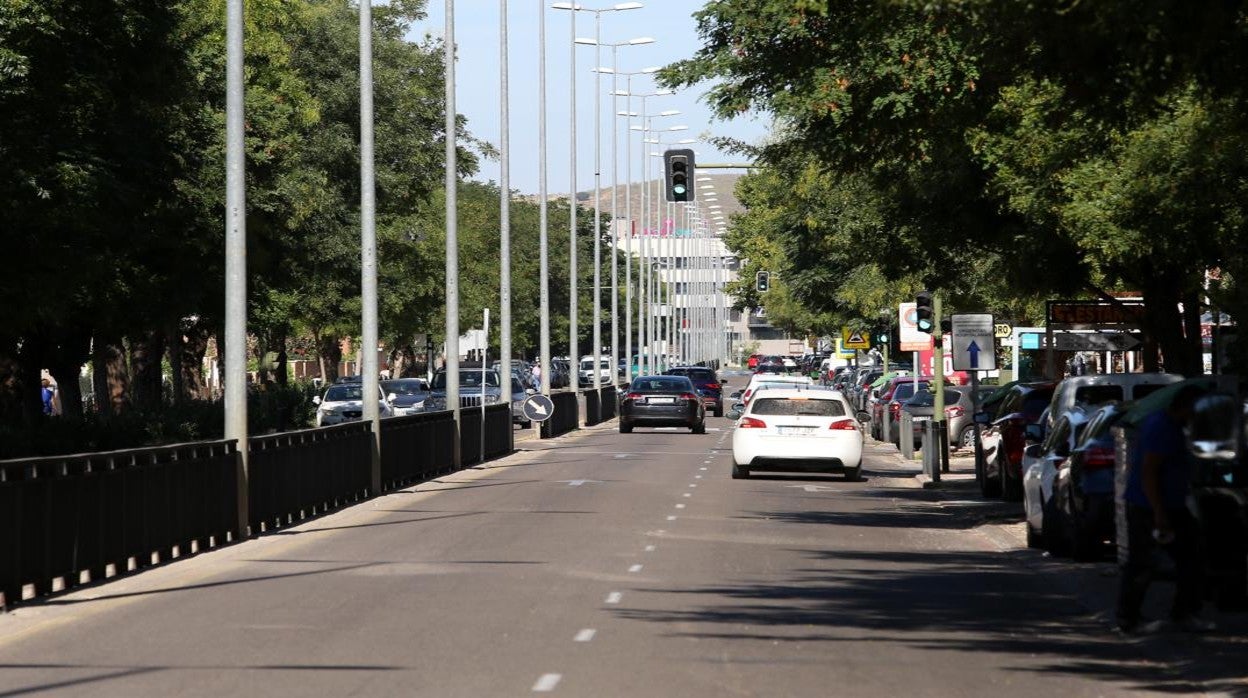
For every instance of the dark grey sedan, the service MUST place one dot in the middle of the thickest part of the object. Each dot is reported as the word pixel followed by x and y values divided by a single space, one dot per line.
pixel 662 401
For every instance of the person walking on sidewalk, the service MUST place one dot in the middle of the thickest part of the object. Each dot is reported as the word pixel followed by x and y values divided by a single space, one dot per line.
pixel 1157 517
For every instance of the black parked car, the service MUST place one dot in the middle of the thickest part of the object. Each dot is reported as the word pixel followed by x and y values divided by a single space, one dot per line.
pixel 706 384
pixel 662 401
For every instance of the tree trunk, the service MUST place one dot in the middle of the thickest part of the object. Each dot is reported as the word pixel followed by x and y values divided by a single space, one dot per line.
pixel 329 349
pixel 64 361
pixel 110 375
pixel 145 366
pixel 1168 327
pixel 187 348
pixel 10 388
pixel 281 370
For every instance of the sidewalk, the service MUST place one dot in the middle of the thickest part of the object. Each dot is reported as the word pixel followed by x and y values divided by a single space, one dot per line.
pixel 1215 663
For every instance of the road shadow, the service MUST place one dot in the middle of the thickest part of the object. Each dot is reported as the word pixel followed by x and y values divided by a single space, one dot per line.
pixel 978 603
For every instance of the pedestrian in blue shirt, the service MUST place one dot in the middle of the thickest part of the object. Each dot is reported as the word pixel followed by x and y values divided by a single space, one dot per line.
pixel 1157 517
pixel 47 394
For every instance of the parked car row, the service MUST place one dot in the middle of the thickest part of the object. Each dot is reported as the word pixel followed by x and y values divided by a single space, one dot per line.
pixel 1050 445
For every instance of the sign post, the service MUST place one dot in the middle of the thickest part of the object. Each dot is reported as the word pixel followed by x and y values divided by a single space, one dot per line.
pixel 975 350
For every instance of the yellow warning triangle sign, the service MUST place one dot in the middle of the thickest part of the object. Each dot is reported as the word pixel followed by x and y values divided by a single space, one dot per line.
pixel 854 339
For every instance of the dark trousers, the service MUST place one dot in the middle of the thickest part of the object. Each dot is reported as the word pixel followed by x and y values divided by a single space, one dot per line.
pixel 1141 565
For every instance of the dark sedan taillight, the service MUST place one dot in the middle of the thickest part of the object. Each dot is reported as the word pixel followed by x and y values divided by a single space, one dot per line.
pixel 688 396
pixel 635 396
pixel 1098 458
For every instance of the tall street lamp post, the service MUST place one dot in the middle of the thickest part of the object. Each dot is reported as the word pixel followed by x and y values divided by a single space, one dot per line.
pixel 572 331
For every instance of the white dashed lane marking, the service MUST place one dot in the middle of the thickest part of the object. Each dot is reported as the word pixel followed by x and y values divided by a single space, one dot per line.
pixel 635 568
pixel 547 683
pixel 649 548
pixel 671 518
pixel 585 635
pixel 614 597
pixel 680 506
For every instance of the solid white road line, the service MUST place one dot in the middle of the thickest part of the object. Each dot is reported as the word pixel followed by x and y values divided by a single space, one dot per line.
pixel 585 635
pixel 614 597
pixel 547 683
pixel 635 568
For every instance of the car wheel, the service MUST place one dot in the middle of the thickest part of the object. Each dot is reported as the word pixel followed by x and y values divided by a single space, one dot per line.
pixel 699 428
pixel 989 486
pixel 719 411
pixel 1033 538
pixel 740 473
pixel 1011 488
pixel 626 428
pixel 1052 532
pixel 967 438
pixel 1084 544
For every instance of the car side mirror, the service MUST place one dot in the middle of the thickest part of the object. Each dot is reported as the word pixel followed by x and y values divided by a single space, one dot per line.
pixel 316 399
pixel 733 414
pixel 735 394
pixel 530 391
pixel 1034 432
pixel 982 418
pixel 1032 451
pixel 864 417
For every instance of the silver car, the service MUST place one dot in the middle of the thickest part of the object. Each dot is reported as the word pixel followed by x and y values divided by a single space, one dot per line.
pixel 345 403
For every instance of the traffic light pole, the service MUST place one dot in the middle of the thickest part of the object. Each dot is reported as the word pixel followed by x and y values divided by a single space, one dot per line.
pixel 938 385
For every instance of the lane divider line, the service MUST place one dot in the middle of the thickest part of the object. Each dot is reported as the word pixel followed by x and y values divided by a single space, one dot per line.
pixel 649 548
pixel 635 568
pixel 680 506
pixel 671 518
pixel 547 683
pixel 614 597
pixel 585 635
pixel 687 494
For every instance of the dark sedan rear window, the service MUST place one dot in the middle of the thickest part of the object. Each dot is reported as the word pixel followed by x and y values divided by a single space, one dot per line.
pixel 793 407
pixel 661 385
pixel 697 374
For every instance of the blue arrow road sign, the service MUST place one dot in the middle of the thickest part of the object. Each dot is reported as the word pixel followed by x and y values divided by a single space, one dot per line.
pixel 973 350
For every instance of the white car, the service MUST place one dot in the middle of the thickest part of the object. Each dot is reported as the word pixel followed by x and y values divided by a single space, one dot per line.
pixel 1042 463
pixel 345 403
pixel 771 380
pixel 796 430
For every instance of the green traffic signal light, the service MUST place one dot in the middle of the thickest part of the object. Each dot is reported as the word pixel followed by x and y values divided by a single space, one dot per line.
pixel 762 281
pixel 925 313
pixel 677 168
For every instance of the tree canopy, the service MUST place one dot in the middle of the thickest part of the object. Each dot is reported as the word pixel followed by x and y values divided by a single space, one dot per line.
pixel 999 152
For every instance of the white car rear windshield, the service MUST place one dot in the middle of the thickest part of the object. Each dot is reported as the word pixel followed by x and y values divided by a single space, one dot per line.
pixel 795 407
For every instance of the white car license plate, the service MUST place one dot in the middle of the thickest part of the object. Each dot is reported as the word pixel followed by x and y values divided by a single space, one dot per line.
pixel 662 401
pixel 796 430
pixel 922 419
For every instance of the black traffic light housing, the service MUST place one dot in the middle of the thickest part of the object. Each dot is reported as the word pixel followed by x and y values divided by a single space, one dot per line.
pixel 678 174
pixel 762 281
pixel 882 334
pixel 925 314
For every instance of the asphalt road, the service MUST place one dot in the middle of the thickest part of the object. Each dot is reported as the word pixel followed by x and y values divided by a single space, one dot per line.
pixel 599 564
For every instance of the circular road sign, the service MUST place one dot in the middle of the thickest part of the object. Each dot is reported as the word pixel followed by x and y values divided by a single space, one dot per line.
pixel 538 408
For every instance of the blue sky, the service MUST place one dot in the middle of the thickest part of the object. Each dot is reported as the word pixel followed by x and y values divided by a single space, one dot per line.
pixel 669 22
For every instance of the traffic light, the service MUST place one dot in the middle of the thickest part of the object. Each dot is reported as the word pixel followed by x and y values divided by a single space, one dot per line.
pixel 881 335
pixel 762 281
pixel 678 174
pixel 925 315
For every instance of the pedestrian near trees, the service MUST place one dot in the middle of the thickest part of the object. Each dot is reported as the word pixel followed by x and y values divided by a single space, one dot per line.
pixel 1158 518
